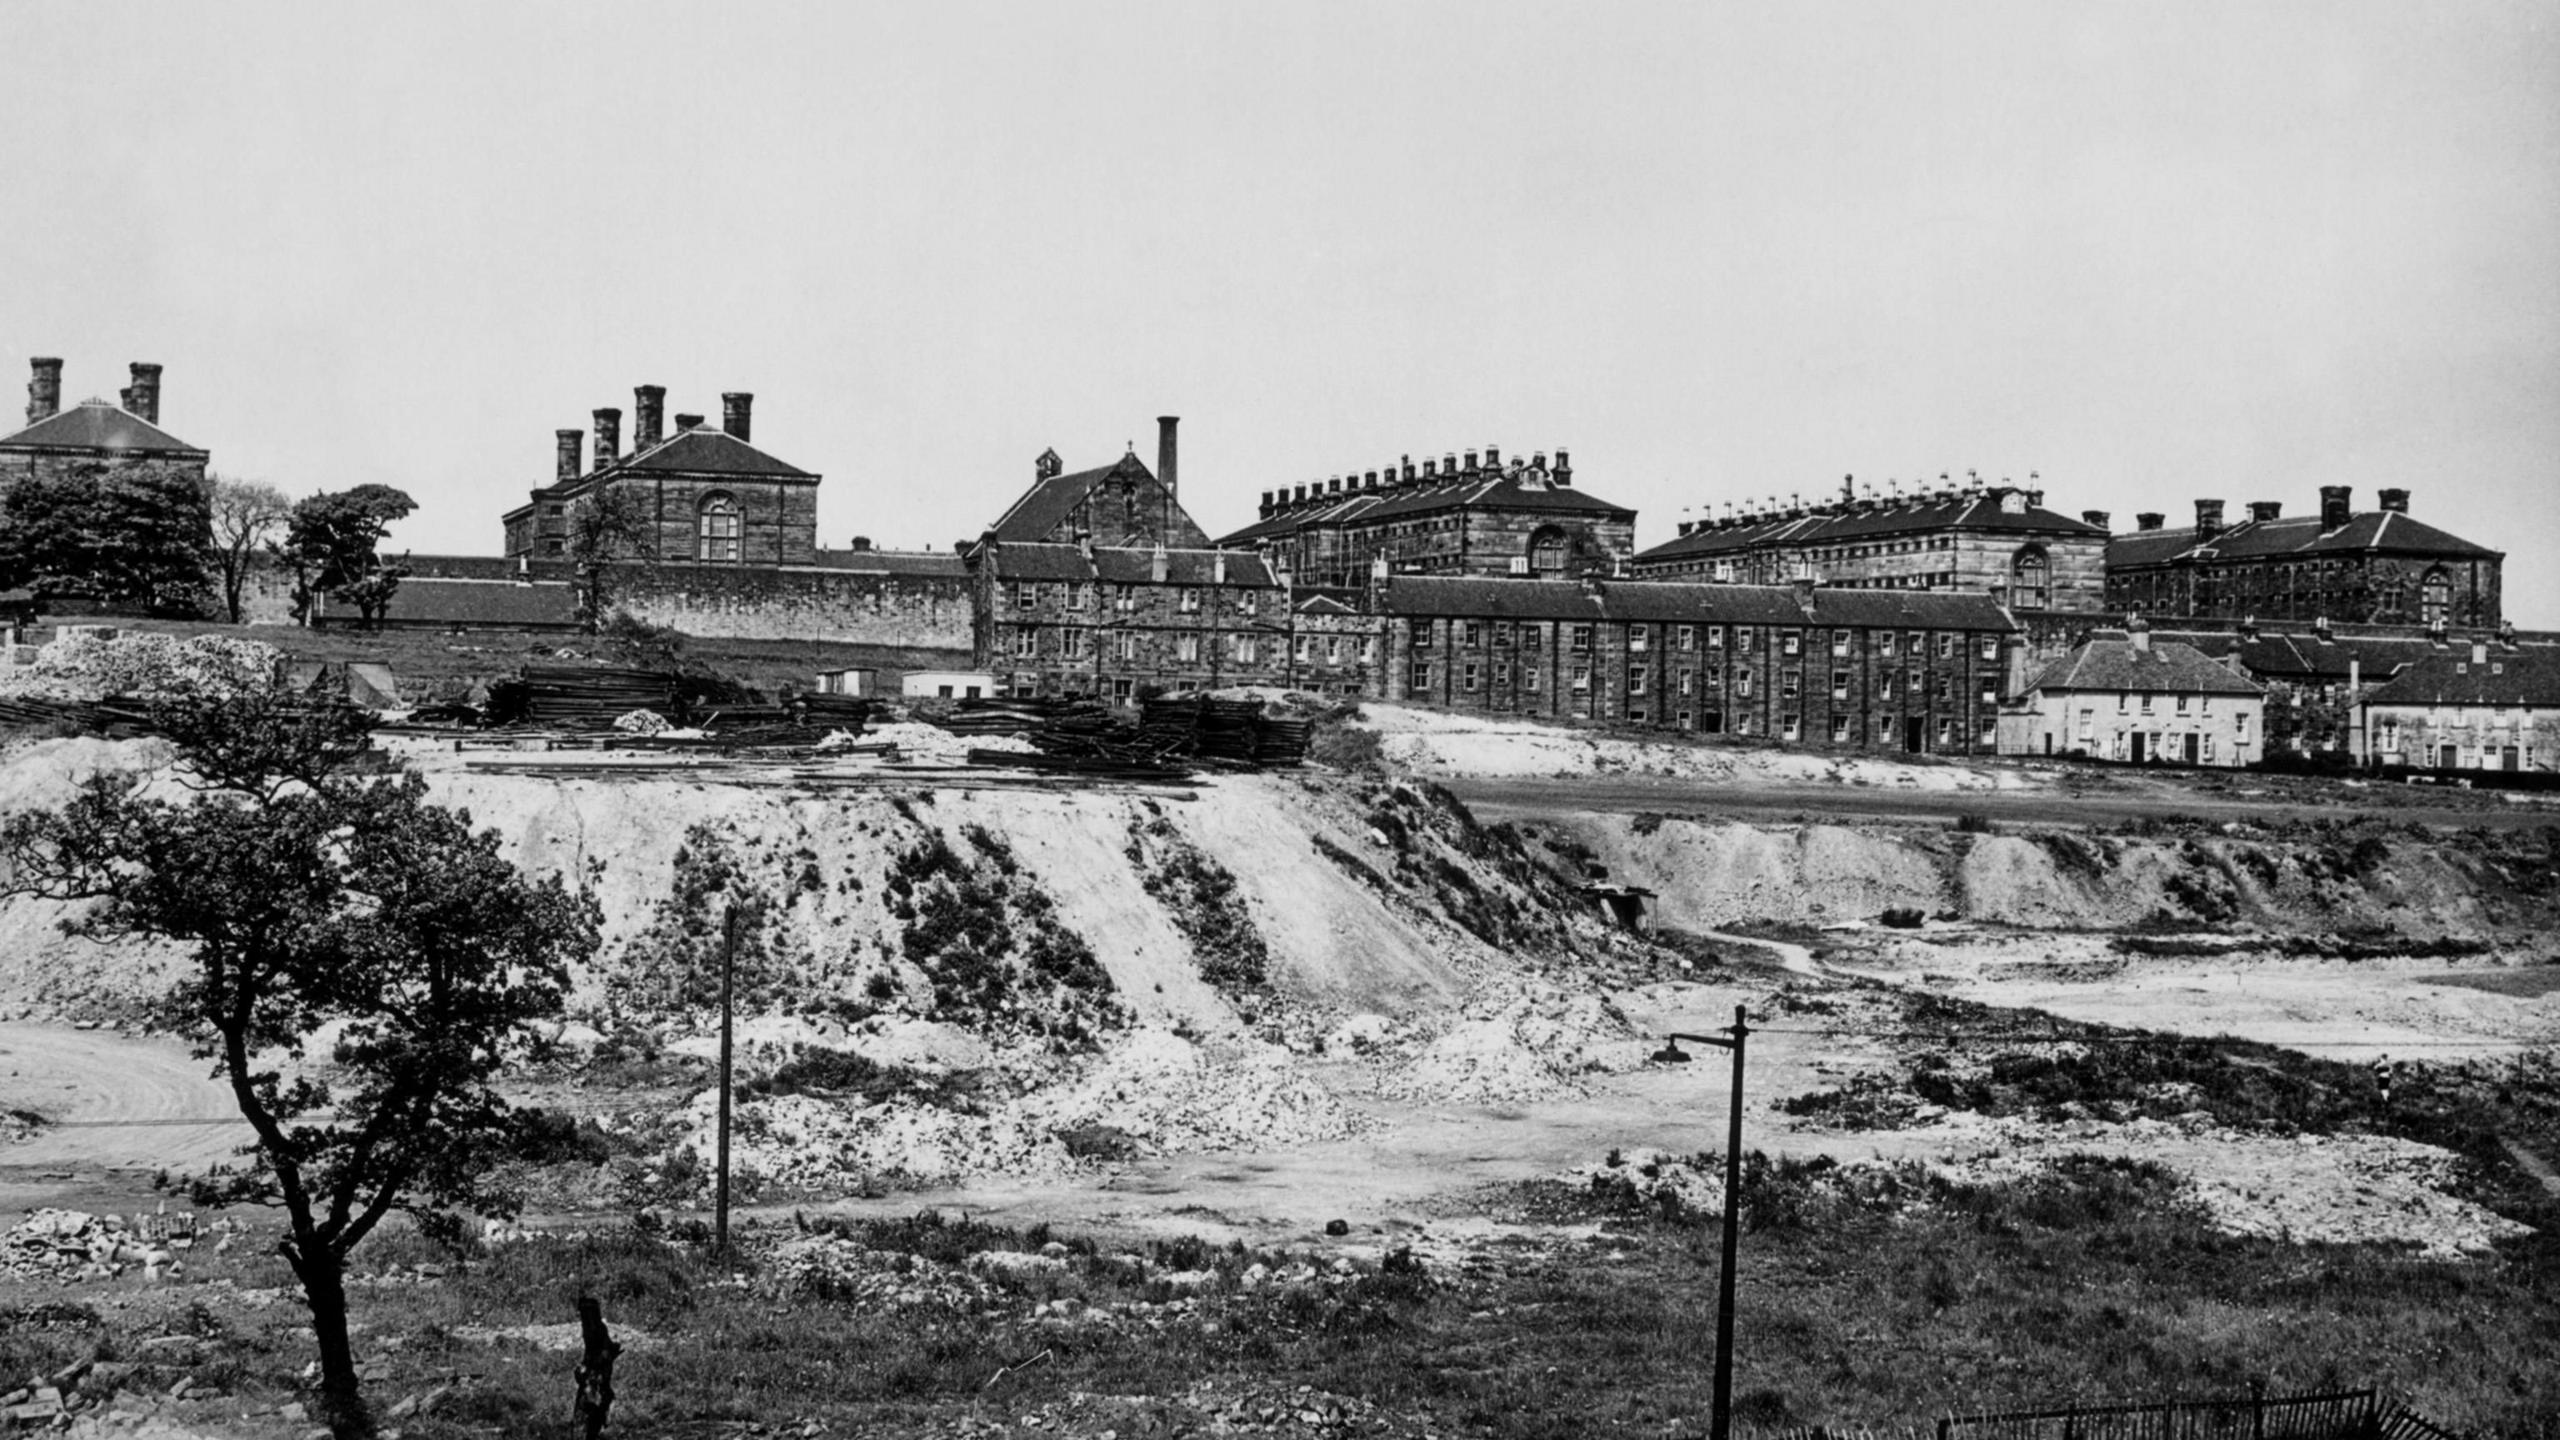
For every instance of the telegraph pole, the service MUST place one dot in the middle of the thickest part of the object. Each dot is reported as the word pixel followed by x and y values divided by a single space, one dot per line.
pixel 728 969
pixel 1720 1419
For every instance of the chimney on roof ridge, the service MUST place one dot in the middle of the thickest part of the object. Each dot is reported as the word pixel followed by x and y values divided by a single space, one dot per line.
pixel 568 442
pixel 1301 497
pixel 44 389
pixel 1334 486
pixel 648 416
pixel 2149 520
pixel 2035 499
pixel 1449 466
pixel 2395 501
pixel 1266 504
pixel 737 414
pixel 144 398
pixel 1168 458
pixel 2479 650
pixel 2138 630
pixel 1493 457
pixel 2320 628
pixel 688 422
pixel 2098 518
pixel 1218 567
pixel 2336 506
pixel 608 437
pixel 1471 462
pixel 2208 519
pixel 1159 564
pixel 2262 511
pixel 1564 469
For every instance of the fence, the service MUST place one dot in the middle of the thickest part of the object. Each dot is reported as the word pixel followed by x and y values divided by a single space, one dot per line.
pixel 2336 1415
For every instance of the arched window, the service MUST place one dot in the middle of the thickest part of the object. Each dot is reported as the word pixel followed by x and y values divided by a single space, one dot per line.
pixel 719 528
pixel 2031 579
pixel 2435 598
pixel 1547 550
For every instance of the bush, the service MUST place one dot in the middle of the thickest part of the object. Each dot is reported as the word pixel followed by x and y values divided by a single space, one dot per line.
pixel 1901 917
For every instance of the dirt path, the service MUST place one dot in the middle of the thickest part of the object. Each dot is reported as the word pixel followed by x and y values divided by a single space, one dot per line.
pixel 116 1102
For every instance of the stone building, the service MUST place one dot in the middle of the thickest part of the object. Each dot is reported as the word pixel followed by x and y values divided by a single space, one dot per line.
pixel 2133 698
pixel 1482 517
pixel 2380 567
pixel 713 497
pixel 1996 540
pixel 2487 705
pixel 1121 623
pixel 58 441
pixel 1114 506
pixel 1847 669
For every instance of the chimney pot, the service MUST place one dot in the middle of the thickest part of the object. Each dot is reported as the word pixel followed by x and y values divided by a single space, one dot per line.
pixel 648 416
pixel 44 389
pixel 2149 520
pixel 737 414
pixel 1408 467
pixel 1493 457
pixel 1334 486
pixel 2479 651
pixel 2396 501
pixel 2262 511
pixel 608 437
pixel 2336 506
pixel 569 442
pixel 688 422
pixel 2208 519
pixel 1564 468
pixel 2098 518
pixel 145 394
pixel 1471 462
pixel 1430 469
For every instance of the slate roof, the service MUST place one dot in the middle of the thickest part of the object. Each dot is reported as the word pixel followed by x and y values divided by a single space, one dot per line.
pixel 2524 675
pixel 1683 602
pixel 470 603
pixel 1516 490
pixel 1047 504
pixel 2300 658
pixel 1125 565
pixel 2387 532
pixel 97 425
pixel 1972 510
pixel 2164 666
pixel 704 451
pixel 940 563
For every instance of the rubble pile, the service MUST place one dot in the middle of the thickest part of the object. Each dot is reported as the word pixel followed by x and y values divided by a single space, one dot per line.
pixel 834 1267
pixel 75 1245
pixel 1653 1180
pixel 1525 1045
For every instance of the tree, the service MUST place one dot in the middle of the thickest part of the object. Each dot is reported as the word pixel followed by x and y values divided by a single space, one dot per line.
pixel 246 514
pixel 306 895
pixel 132 535
pixel 333 541
pixel 610 527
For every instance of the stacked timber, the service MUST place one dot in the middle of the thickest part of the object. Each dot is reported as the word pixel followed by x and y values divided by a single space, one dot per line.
pixel 581 697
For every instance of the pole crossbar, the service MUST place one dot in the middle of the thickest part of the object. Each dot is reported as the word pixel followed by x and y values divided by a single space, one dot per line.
pixel 1720 1419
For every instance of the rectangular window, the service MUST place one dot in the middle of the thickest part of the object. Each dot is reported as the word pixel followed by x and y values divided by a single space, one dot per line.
pixel 1501 674
pixel 1333 649
pixel 1990 647
pixel 1025 594
pixel 2240 729
pixel 1635 680
pixel 1531 678
pixel 1502 634
pixel 1741 637
pixel 1884 644
pixel 1686 637
pixel 1418 677
pixel 1790 726
pixel 1687 680
pixel 1742 682
pixel 1243 648
pixel 1715 637
pixel 1026 642
pixel 1076 643
pixel 1946 645
pixel 1077 593
pixel 1839 642
pixel 1580 640
pixel 1840 686
pixel 1124 646
pixel 1470 634
pixel 1990 691
pixel 1884 729
pixel 2182 704
pixel 1791 643
pixel 1946 732
pixel 1529 637
pixel 1581 679
pixel 1839 729
pixel 1306 649
pixel 1471 679
pixel 1419 631
pixel 1368 649
pixel 1639 637
pixel 1790 685
pixel 1186 648
pixel 2146 702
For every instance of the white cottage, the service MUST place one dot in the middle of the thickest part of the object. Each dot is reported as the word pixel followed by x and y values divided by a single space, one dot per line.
pixel 2127 698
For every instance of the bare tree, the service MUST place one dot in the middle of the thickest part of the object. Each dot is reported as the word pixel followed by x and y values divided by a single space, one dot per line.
pixel 246 515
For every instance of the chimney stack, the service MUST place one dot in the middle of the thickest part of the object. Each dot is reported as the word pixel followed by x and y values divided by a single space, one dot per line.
pixel 2149 520
pixel 44 389
pixel 1407 470
pixel 1493 457
pixel 2335 506
pixel 2138 630
pixel 1564 469
pixel 2208 519
pixel 688 422
pixel 648 416
pixel 2479 651
pixel 608 437
pixel 569 441
pixel 737 412
pixel 2098 518
pixel 1169 457
pixel 145 395
pixel 2261 511
pixel 2396 501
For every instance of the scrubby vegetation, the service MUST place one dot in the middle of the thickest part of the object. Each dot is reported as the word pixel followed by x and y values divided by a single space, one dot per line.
pixel 1203 899
pixel 991 947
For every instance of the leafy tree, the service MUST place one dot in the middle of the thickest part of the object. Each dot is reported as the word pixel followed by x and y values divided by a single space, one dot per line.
pixel 246 516
pixel 333 541
pixel 132 535
pixel 307 895
pixel 610 530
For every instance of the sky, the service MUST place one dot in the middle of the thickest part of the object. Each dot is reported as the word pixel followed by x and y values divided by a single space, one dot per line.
pixel 2147 252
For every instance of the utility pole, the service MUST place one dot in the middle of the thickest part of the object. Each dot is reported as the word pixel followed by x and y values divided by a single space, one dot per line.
pixel 728 970
pixel 1720 1419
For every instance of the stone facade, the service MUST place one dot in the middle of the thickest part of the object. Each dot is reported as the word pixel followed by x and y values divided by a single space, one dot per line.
pixel 860 596
pixel 1116 506
pixel 2375 567
pixel 58 443
pixel 2488 705
pixel 2138 699
pixel 1482 517
pixel 712 497
pixel 1998 541
pixel 1122 623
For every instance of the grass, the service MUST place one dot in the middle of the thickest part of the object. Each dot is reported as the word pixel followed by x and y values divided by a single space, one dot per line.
pixel 1867 1296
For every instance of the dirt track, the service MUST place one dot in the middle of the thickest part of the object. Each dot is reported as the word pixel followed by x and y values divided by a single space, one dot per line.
pixel 115 1102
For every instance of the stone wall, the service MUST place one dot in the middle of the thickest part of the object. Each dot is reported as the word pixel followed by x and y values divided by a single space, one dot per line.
pixel 1120 642
pixel 803 603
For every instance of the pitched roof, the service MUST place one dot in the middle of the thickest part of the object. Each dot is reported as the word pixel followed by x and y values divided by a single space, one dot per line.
pixel 2301 658
pixel 97 425
pixel 895 562
pixel 2389 532
pixel 1044 507
pixel 1983 510
pixel 1125 565
pixel 2162 665
pixel 1685 602
pixel 704 451
pixel 1522 490
pixel 2523 675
